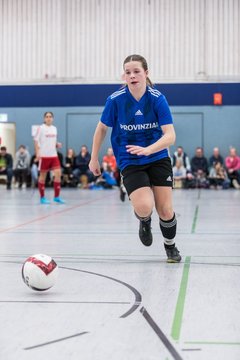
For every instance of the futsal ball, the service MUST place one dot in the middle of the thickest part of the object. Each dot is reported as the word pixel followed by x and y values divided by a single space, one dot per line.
pixel 39 272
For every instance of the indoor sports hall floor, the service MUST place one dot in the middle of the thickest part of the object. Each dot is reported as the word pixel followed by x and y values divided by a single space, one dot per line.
pixel 116 299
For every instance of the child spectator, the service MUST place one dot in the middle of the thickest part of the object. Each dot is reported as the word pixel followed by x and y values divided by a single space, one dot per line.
pixel 179 174
pixel 218 178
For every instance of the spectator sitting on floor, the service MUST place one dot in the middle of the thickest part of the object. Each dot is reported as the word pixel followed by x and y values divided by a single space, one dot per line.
pixel 70 164
pixel 218 178
pixel 6 165
pixel 21 166
pixel 82 172
pixel 179 174
pixel 182 156
pixel 199 165
pixel 215 158
pixel 106 179
pixel 110 160
pixel 232 163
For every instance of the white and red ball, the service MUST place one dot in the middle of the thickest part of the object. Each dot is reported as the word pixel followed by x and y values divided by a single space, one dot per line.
pixel 39 272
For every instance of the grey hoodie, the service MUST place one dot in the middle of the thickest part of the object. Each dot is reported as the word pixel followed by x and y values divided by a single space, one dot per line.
pixel 22 160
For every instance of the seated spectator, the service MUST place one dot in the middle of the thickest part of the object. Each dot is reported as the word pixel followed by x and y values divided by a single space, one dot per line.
pixel 81 172
pixel 6 165
pixel 218 178
pixel 110 160
pixel 215 158
pixel 199 165
pixel 70 161
pixel 232 163
pixel 179 174
pixel 34 170
pixel 21 166
pixel 182 156
pixel 106 179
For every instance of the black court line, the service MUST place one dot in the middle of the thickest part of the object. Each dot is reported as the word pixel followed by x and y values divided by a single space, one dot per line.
pixel 137 302
pixel 55 341
pixel 63 302
pixel 138 296
pixel 129 261
pixel 160 334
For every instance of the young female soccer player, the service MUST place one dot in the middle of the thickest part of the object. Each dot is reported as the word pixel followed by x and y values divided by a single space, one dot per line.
pixel 142 131
pixel 46 145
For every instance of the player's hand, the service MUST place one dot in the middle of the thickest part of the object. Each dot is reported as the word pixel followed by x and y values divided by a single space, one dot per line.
pixel 94 167
pixel 58 145
pixel 138 150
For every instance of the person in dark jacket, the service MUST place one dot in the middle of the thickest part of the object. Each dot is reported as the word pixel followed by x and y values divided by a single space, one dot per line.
pixel 215 158
pixel 199 166
pixel 81 166
pixel 6 165
pixel 69 166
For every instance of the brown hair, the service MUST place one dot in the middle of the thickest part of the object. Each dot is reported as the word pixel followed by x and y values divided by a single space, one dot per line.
pixel 48 112
pixel 142 60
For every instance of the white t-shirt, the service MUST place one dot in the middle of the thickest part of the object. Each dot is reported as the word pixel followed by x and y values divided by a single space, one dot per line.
pixel 46 137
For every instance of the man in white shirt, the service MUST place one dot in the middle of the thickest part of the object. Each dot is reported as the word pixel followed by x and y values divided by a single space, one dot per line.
pixel 46 145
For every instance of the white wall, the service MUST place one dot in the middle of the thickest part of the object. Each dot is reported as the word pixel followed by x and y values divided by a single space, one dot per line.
pixel 8 137
pixel 87 40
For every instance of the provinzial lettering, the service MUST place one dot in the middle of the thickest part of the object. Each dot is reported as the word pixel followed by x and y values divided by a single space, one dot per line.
pixel 134 127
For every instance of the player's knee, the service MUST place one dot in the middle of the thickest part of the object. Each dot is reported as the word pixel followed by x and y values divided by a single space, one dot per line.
pixel 143 209
pixel 165 212
pixel 168 227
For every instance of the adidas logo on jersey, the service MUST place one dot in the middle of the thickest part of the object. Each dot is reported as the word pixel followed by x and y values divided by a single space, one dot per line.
pixel 169 178
pixel 138 112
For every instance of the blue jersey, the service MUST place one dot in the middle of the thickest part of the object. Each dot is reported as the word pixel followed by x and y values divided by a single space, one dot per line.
pixel 136 123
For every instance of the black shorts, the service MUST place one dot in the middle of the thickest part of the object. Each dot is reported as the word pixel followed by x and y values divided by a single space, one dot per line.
pixel 157 173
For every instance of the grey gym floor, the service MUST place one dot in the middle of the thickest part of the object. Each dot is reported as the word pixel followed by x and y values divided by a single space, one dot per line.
pixel 116 299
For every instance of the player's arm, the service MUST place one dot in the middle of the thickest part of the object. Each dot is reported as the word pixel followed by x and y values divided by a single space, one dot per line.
pixel 37 149
pixel 164 142
pixel 37 143
pixel 98 138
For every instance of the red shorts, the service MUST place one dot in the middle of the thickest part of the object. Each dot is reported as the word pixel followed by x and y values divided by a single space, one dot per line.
pixel 49 163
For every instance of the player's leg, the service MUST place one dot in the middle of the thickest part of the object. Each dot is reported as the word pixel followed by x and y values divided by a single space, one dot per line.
pixel 41 187
pixel 57 185
pixel 167 220
pixel 143 202
pixel 137 184
pixel 9 173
